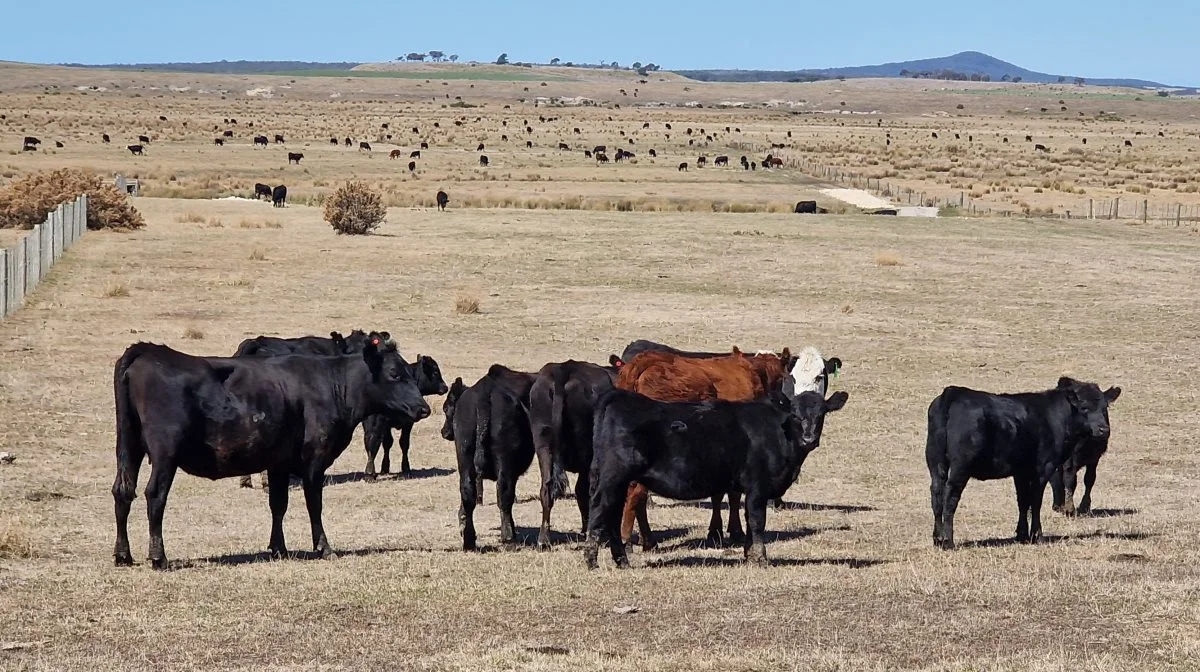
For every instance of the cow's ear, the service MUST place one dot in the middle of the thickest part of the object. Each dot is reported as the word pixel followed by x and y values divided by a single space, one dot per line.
pixel 836 401
pixel 736 351
pixel 372 355
pixel 785 356
pixel 335 335
pixel 833 366
pixel 1066 381
pixel 615 361
pixel 1112 393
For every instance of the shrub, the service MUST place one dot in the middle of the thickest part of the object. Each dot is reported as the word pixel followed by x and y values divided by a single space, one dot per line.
pixel 466 305
pixel 355 209
pixel 25 203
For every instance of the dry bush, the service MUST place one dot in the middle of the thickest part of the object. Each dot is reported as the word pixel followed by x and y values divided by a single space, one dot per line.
pixel 888 258
pixel 257 254
pixel 116 290
pixel 193 334
pixel 25 203
pixel 466 305
pixel 15 543
pixel 355 209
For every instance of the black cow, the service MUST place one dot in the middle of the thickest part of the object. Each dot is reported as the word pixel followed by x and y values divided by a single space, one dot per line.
pixel 278 139
pixel 105 139
pixel 294 157
pixel 1087 454
pixel 587 153
pixel 1041 148
pixel 279 196
pixel 262 191
pixel 489 425
pixel 377 429
pixel 601 157
pixel 721 161
pixel 136 150
pixel 599 149
pixel 333 141
pixel 424 145
pixel 412 166
pixel 58 144
pixel 483 161
pixel 217 417
pixel 349 143
pixel 700 162
pixel 479 148
pixel 560 416
pixel 806 207
pixel 260 140
pixel 1128 143
pixel 227 134
pixel 563 145
pixel 653 153
pixel 415 154
pixel 442 200
pixel 745 163
pixel 699 450
pixel 1026 437
pixel 145 140
pixel 683 167
pixel 29 148
pixel 219 141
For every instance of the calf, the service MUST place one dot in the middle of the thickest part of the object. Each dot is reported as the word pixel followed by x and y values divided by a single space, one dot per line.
pixel 1027 437
pixel 694 450
pixel 561 402
pixel 489 426
pixel 377 429
pixel 278 139
pixel 217 417
pixel 483 161
pixel 262 191
pixel 294 157
pixel 279 196
pixel 1087 454
pixel 395 154
pixel 442 200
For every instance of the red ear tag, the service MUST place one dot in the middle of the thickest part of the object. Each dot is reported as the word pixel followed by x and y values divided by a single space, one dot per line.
pixel 375 341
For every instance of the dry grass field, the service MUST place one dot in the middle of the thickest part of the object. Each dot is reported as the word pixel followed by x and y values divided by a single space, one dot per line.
pixel 856 584
pixel 561 259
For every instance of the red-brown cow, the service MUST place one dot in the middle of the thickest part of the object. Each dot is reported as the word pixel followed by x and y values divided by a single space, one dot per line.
pixel 666 376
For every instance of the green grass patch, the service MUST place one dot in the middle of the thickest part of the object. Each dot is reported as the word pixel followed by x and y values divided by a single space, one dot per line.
pixel 491 75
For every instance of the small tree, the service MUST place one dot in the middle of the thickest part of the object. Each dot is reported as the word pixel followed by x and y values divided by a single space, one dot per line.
pixel 1062 80
pixel 1080 81
pixel 355 209
pixel 453 58
pixel 503 60
pixel 437 55
pixel 555 61
pixel 414 56
pixel 1017 80
pixel 637 65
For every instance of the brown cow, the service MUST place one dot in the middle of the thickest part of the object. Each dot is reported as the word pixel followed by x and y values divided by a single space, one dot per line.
pixel 667 376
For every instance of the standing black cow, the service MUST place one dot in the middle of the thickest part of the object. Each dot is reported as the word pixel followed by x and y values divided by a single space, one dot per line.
pixel 294 157
pixel 1087 454
pixel 483 161
pixel 1026 437
pixel 415 154
pixel 219 142
pixel 136 150
pixel 489 426
pixel 377 429
pixel 688 450
pixel 217 417
pixel 144 139
pixel 364 145
pixel 442 200
pixel 278 139
pixel 260 140
pixel 105 139
pixel 721 161
pixel 560 416
pixel 806 207
pixel 279 196
pixel 262 191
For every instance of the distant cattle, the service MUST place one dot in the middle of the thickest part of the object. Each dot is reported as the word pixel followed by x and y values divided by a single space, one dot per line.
pixel 279 196
pixel 601 158
pixel 278 139
pixel 667 125
pixel 262 191
pixel 349 142
pixel 652 152
pixel 587 153
pixel 260 140
pixel 1040 148
pixel 145 140
pixel 695 450
pixel 334 141
pixel 219 141
pixel 933 135
pixel 721 161
pixel 577 131
pixel 364 145
pixel 28 148
pixel 504 138
pixel 806 207
pixel 58 144
pixel 479 148
pixel 700 162
pixel 442 200
pixel 1027 437
pixel 489 425
pixel 136 150
pixel 1029 138
pixel 294 157
pixel 105 139
pixel 599 148
pixel 683 167
pixel 415 154
pixel 563 145
pixel 529 144
pixel 424 145
pixel 483 161
pixel 1128 143
pixel 745 163
pixel 412 166
pixel 31 141
pixel 395 154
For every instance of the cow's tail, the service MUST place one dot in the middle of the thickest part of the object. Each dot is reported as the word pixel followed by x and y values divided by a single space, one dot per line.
pixel 130 446
pixel 483 429
pixel 937 453
pixel 558 396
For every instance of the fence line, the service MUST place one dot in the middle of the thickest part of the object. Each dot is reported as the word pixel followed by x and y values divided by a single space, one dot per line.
pixel 23 265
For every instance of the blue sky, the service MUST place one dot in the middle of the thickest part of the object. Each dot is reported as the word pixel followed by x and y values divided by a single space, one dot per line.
pixel 1149 39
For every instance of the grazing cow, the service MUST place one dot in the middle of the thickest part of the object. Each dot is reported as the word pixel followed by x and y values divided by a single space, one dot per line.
pixel 504 138
pixel 577 131
pixel 1040 148
pixel 260 140
pixel 424 145
pixel 29 148
pixel 489 425
pixel 442 200
pixel 587 153
pixel 294 157
pixel 395 154
pixel 415 154
pixel 601 158
pixel 653 153
pixel 227 134
pixel 412 166
pixel 334 141
pixel 563 145
pixel 377 429
pixel 806 207
pixel 1128 143
pixel 1027 437
pixel 1087 454
pixel 933 135
pixel 599 149
pixel 279 196
pixel 721 161
pixel 479 148
pixel 483 161
pixel 217 417
pixel 105 139
pixel 745 163
pixel 683 167
pixel 136 150
pixel 364 145
pixel 561 401
pixel 219 142
pixel 145 140
pixel 31 141
pixel 776 162
pixel 1006 141
pixel 620 155
pixel 700 162
pixel 349 142
pixel 687 450
pixel 58 144
pixel 1029 138
pixel 528 144
pixel 278 139
pixel 262 191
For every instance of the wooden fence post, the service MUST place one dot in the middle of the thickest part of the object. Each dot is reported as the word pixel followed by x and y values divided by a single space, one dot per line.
pixel 1178 213
pixel 1090 209
pixel 1145 209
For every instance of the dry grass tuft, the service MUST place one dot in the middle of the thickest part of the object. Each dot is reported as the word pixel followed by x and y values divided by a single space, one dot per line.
pixel 466 305
pixel 15 543
pixel 190 218
pixel 888 258
pixel 115 290
pixel 193 334
pixel 258 254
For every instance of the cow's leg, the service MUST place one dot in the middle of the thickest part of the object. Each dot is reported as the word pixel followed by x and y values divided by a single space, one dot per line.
pixel 506 496
pixel 467 483
pixel 124 490
pixel 937 498
pixel 1037 491
pixel 715 537
pixel 955 483
pixel 604 520
pixel 245 481
pixel 314 485
pixel 479 489
pixel 583 497
pixel 1089 479
pixel 405 443
pixel 756 521
pixel 735 517
pixel 635 509
pixel 385 467
pixel 162 474
pixel 277 495
pixel 1023 495
pixel 1062 488
pixel 266 480
pixel 545 492
pixel 371 441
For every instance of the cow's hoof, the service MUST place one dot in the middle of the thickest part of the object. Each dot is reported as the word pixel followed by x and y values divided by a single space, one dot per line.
pixel 159 563
pixel 123 560
pixel 278 552
pixel 944 544
pixel 328 554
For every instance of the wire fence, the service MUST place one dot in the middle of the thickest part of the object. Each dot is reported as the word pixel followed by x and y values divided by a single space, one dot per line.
pixel 23 265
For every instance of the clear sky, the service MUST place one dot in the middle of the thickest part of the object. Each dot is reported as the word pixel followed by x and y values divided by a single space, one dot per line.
pixel 1147 39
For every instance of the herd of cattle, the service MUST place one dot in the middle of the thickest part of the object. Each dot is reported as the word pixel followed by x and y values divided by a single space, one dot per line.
pixel 684 425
